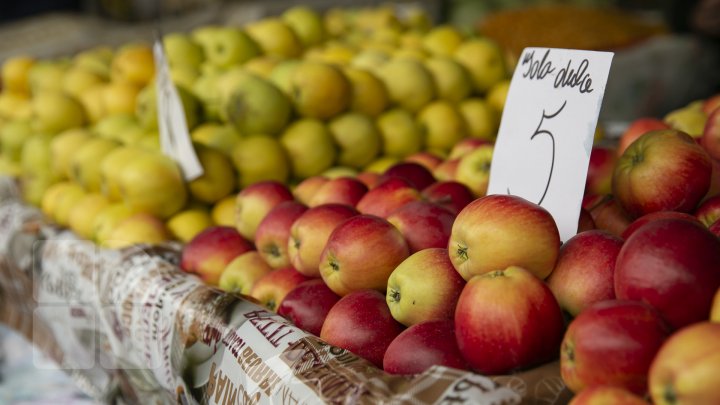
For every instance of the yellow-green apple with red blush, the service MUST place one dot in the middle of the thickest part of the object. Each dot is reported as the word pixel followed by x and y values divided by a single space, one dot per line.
pixel 341 190
pixel 466 146
pixel 423 345
pixel 254 202
pixel 709 210
pixel 613 343
pixel 607 214
pixel 446 170
pixel 306 189
pixel 449 194
pixel 271 289
pixel 710 139
pixel 361 253
pixel 600 170
pixel 308 304
pixel 474 169
pixel 661 170
pixel 387 196
pixel 416 174
pixel 310 232
pixel 427 159
pixel 606 395
pixel 370 179
pixel 424 287
pixel 653 216
pixel 273 233
pixel 423 224
pixel 711 104
pixel 210 251
pixel 673 265
pixel 685 370
pixel 242 272
pixel 507 320
pixel 361 323
pixel 584 271
pixel 498 231
pixel 636 129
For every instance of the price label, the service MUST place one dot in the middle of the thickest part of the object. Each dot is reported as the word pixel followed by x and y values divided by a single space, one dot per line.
pixel 174 134
pixel 545 138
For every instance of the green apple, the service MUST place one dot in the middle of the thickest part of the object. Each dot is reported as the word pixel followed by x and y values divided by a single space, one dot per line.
pixel 310 147
pixel 306 23
pixel 357 137
pixel 96 60
pixel 275 38
pixel 401 134
pixel 85 163
pixel 484 60
pixel 226 47
pixel 46 75
pixel 222 137
pixel 409 83
pixel 451 78
pixel 111 126
pixel 281 75
pixel 182 50
pixel 13 135
pixel 259 158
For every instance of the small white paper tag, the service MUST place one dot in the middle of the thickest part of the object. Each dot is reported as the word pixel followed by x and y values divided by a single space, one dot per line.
pixel 543 146
pixel 174 134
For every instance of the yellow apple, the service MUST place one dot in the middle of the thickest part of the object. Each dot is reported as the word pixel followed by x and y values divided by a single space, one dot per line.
pixel 369 95
pixel 146 107
pixel 401 134
pixel 93 102
pixel 223 212
pixel 381 164
pixel 442 40
pixel 14 105
pixel 82 216
pixel 85 163
pixel 153 183
pixel 133 63
pixel 111 166
pixel 135 229
pixel 64 146
pixel 496 97
pixel 66 200
pixel 222 137
pixel 306 23
pixel 120 97
pixel 275 37
pixel 107 219
pixel 186 224
pixel 78 79
pixel 13 135
pixel 96 60
pixel 54 111
pixel 49 202
pixel 46 75
pixel 410 85
pixel 357 137
pixel 481 119
pixel 182 50
pixel 451 78
pixel 218 179
pixel 310 147
pixel 241 273
pixel 14 73
pixel 319 90
pixel 484 60
pixel 474 169
pixel 444 125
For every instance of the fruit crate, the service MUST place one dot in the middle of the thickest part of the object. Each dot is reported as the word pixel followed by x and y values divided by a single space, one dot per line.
pixel 129 325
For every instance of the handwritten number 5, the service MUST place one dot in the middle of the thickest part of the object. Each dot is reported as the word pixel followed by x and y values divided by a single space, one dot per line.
pixel 540 131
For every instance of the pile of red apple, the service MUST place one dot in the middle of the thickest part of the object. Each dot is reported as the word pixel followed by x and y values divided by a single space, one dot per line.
pixel 410 272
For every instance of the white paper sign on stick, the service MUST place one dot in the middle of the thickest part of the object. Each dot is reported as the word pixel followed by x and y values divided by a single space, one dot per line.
pixel 174 134
pixel 545 138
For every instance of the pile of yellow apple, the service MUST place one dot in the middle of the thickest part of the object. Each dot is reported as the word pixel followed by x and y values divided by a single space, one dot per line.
pixel 283 98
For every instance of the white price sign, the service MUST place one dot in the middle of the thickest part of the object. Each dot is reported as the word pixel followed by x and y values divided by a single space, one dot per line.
pixel 543 146
pixel 174 134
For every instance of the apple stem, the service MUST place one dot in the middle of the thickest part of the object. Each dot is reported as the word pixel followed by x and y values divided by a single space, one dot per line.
pixel 669 394
pixel 271 305
pixel 296 243
pixel 273 251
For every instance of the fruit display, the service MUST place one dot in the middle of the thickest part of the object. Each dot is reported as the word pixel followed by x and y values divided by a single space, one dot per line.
pixel 346 159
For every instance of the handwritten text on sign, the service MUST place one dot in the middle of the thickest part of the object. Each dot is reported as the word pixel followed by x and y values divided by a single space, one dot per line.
pixel 546 133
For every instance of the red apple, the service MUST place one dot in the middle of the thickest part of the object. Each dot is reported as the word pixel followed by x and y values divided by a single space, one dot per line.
pixel 714 180
pixel 242 272
pixel 211 250
pixel 606 395
pixel 341 190
pixel 424 287
pixel 711 104
pixel 653 216
pixel 600 170
pixel 636 129
pixel 709 211
pixel 450 194
pixel 310 232
pixel 387 196
pixel 685 370
pixel 254 202
pixel 661 171
pixel 715 228
pixel 612 343
pixel 584 271
pixel 416 174
pixel 271 289
pixel 423 224
pixel 308 304
pixel 673 265
pixel 361 323
pixel 273 233
pixel 446 170
pixel 422 346
pixel 607 214
pixel 427 159
pixel 306 189
pixel 369 179
pixel 498 231
pixel 361 253
pixel 710 139
pixel 466 146
pixel 507 320
pixel 585 221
